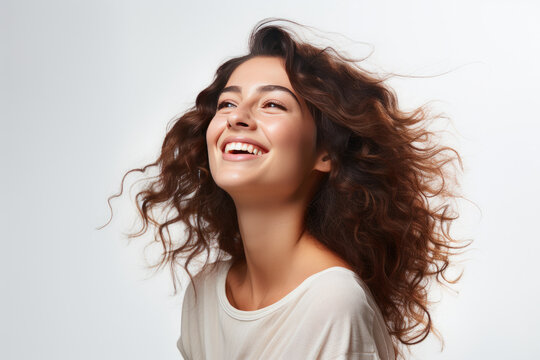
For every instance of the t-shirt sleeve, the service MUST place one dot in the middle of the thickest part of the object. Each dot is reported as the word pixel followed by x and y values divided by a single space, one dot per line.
pixel 184 339
pixel 338 325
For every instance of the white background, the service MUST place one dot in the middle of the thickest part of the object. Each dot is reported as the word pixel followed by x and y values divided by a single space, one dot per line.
pixel 87 89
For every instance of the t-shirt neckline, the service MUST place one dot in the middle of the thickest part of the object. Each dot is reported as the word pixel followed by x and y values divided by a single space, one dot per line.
pixel 257 314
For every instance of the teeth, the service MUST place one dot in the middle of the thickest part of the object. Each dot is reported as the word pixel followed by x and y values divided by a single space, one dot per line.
pixel 242 146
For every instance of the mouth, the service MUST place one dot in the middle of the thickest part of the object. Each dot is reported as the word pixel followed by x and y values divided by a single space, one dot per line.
pixel 243 148
pixel 237 151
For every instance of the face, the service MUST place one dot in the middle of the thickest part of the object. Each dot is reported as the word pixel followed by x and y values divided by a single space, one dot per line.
pixel 259 106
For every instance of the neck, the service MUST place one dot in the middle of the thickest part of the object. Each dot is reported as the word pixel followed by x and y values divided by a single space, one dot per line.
pixel 275 244
pixel 278 251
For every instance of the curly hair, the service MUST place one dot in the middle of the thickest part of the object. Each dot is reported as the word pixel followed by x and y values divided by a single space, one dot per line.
pixel 385 207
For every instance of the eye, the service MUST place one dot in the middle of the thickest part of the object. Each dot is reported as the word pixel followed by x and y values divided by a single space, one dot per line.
pixel 224 104
pixel 274 104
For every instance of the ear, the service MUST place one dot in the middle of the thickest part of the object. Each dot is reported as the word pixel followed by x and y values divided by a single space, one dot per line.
pixel 323 162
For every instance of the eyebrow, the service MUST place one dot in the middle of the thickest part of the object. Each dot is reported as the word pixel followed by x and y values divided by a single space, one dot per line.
pixel 261 89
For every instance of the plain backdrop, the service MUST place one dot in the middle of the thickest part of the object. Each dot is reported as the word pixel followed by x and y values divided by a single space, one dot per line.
pixel 87 89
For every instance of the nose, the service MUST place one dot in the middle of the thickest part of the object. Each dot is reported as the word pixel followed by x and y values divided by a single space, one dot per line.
pixel 240 118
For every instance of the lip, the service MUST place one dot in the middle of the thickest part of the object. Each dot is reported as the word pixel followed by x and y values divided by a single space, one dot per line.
pixel 239 157
pixel 243 139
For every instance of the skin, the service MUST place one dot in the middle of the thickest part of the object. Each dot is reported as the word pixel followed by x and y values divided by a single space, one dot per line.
pixel 270 192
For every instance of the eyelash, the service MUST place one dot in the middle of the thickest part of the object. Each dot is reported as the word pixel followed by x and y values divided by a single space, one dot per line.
pixel 278 105
pixel 222 104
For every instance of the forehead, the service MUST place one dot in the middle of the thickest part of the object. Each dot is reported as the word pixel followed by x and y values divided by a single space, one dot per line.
pixel 261 70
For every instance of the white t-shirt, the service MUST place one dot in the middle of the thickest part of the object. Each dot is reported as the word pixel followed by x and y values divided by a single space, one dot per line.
pixel 329 316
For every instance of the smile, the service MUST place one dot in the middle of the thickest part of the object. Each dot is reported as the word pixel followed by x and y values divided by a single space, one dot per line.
pixel 242 148
pixel 238 151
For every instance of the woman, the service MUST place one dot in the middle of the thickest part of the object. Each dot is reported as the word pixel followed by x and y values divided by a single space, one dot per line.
pixel 316 191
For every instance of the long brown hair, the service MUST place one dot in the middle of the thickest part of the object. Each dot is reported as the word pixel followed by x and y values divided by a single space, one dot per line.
pixel 385 207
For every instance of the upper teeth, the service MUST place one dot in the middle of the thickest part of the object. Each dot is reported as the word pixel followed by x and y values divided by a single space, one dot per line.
pixel 243 146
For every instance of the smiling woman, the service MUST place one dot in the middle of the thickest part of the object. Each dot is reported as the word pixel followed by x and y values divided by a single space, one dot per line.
pixel 318 192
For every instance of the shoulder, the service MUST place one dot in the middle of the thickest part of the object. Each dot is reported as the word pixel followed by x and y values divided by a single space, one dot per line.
pixel 204 281
pixel 209 272
pixel 339 293
pixel 338 317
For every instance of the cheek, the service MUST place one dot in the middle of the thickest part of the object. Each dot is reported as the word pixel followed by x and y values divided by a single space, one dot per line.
pixel 298 138
pixel 212 133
